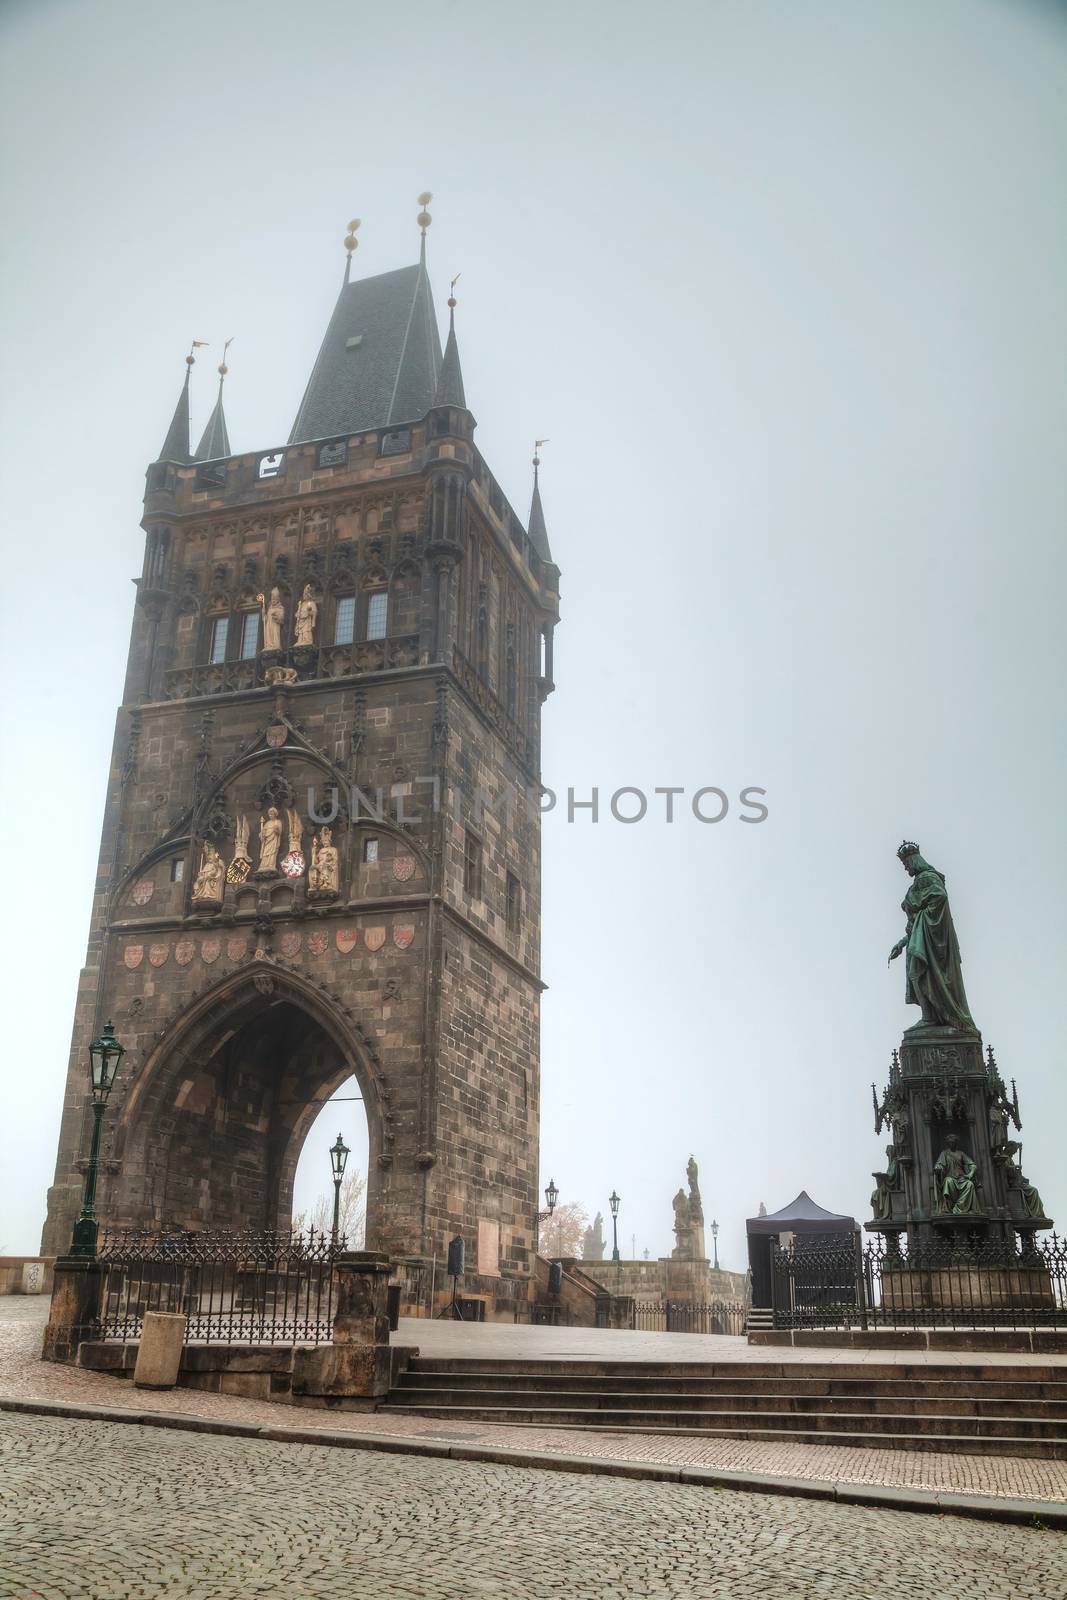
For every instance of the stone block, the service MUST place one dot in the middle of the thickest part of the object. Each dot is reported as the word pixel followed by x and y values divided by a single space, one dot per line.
pixel 249 1385
pixel 159 1354
pixel 342 1370
pixel 74 1313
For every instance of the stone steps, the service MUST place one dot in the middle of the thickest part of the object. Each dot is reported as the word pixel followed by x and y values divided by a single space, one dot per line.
pixel 1001 1410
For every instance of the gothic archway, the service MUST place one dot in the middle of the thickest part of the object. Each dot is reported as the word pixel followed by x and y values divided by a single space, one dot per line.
pixel 214 1124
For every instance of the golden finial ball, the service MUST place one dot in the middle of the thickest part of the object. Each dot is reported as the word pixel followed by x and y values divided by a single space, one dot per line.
pixel 223 369
pixel 424 219
pixel 353 226
pixel 451 302
pixel 425 197
pixel 351 242
pixel 190 361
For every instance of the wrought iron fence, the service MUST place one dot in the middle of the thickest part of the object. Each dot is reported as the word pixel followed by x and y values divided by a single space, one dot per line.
pixel 969 1285
pixel 680 1316
pixel 234 1288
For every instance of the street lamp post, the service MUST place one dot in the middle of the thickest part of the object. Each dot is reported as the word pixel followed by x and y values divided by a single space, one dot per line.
pixel 339 1154
pixel 715 1241
pixel 613 1202
pixel 551 1196
pixel 105 1055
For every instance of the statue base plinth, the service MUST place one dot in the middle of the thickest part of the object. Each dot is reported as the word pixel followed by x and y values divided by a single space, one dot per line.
pixel 265 875
pixel 967 1288
pixel 323 896
pixel 206 904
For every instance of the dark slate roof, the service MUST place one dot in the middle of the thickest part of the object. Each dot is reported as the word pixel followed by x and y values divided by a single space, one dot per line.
pixel 802 1215
pixel 390 374
pixel 537 530
pixel 176 444
pixel 214 441
pixel 449 390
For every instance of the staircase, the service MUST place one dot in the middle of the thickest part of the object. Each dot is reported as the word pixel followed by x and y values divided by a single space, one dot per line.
pixel 983 1410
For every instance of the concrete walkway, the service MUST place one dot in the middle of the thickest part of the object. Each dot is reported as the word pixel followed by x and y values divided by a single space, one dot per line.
pixel 500 1341
pixel 1014 1487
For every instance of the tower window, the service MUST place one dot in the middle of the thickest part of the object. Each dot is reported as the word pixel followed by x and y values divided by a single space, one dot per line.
pixel 370 849
pixel 344 622
pixel 472 867
pixel 377 614
pixel 514 903
pixel 249 635
pixel 177 869
pixel 220 629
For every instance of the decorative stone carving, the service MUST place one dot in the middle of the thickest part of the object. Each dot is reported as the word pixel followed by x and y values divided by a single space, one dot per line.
pixel 1032 1203
pixel 270 840
pixel 324 872
pixel 307 612
pixel 241 865
pixel 683 1227
pixel 273 619
pixel 207 890
pixel 294 863
pixel 885 1183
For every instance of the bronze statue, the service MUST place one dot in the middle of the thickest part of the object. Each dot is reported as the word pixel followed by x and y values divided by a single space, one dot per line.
pixel 934 972
pixel 955 1173
pixel 885 1182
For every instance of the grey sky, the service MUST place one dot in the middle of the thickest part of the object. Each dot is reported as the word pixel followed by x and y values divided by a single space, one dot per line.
pixel 783 285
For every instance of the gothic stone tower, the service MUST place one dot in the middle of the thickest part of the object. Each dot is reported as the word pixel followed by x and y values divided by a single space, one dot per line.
pixel 354 621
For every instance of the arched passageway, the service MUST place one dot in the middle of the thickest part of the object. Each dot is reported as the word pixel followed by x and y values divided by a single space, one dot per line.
pixel 213 1130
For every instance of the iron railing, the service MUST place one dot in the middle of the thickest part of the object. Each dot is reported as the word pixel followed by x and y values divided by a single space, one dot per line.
pixel 979 1285
pixel 680 1316
pixel 233 1288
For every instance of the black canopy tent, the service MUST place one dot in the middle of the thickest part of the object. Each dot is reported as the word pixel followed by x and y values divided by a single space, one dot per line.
pixel 802 1216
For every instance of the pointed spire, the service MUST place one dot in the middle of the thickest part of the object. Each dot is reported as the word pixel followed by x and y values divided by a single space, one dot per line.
pixel 537 530
pixel 449 390
pixel 215 441
pixel 176 444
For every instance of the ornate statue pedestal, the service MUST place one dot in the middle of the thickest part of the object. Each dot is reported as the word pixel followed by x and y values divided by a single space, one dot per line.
pixel 270 875
pixel 955 1189
pixel 205 904
pixel 323 896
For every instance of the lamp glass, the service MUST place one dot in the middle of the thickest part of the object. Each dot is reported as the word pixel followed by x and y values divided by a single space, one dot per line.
pixel 339 1154
pixel 105 1054
pixel 613 1202
pixel 551 1194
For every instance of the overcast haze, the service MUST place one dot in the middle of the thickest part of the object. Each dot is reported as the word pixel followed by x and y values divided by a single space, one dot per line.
pixel 783 286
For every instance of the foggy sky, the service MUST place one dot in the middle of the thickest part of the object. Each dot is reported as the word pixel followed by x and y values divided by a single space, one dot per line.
pixel 783 286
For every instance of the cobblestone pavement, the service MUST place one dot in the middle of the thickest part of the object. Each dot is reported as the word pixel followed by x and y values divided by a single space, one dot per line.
pixel 103 1511
pixel 24 1376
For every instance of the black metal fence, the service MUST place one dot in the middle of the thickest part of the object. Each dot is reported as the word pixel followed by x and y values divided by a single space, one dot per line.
pixel 680 1316
pixel 981 1285
pixel 233 1288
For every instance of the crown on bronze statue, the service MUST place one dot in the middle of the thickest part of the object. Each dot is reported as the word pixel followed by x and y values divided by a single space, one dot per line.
pixel 908 848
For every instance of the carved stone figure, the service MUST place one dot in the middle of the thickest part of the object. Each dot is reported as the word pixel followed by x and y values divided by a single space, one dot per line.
pixel 273 620
pixel 696 1209
pixel 324 873
pixel 886 1181
pixel 307 612
pixel 955 1173
pixel 934 972
pixel 683 1227
pixel 209 879
pixel 593 1241
pixel 270 839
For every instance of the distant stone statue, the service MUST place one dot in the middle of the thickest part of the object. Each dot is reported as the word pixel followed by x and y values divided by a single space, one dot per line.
pixel 955 1173
pixel 934 972
pixel 270 839
pixel 210 878
pixel 323 873
pixel 593 1242
pixel 683 1227
pixel 762 1212
pixel 273 620
pixel 307 612
pixel 696 1208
